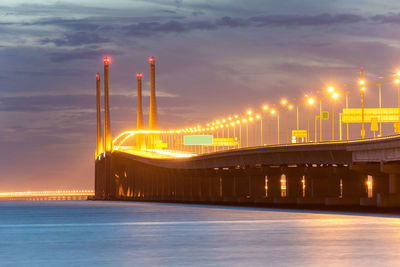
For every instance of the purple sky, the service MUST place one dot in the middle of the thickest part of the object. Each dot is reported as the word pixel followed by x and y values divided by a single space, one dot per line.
pixel 214 58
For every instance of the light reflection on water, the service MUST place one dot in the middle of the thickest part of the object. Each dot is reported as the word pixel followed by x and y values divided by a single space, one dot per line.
pixel 77 233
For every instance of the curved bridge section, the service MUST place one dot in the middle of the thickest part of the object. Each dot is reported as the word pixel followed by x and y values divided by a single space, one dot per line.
pixel 365 173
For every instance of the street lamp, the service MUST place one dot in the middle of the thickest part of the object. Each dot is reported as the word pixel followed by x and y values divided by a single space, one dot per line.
pixel 247 132
pixel 310 102
pixel 362 88
pixel 334 97
pixel 260 118
pixel 320 116
pixel 265 108
pixel 288 107
pixel 269 125
pixel 397 81
pixel 240 132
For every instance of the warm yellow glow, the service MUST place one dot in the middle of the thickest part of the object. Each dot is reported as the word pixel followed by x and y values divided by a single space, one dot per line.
pixel 273 111
pixel 258 116
pixel 212 128
pixel 238 122
pixel 227 125
pixel 251 119
pixel 265 107
pixel 362 88
pixel 244 120
pixel 362 82
pixel 223 120
pixel 218 122
pixel 284 102
pixel 249 112
pixel 208 125
pixel 58 193
pixel 290 107
pixel 311 101
pixel 331 89
pixel 230 118
pixel 213 124
pixel 397 81
pixel 222 126
pixel 232 123
pixel 236 116
pixel 335 95
pixel 167 153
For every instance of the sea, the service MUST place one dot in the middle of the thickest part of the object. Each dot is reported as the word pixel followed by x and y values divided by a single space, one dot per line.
pixel 97 233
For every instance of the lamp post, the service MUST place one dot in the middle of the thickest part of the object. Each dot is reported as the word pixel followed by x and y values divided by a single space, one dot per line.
pixel 334 97
pixel 362 88
pixel 397 81
pixel 265 108
pixel 347 106
pixel 316 118
pixel 240 133
pixel 284 104
pixel 277 118
pixel 251 119
pixel 398 89
pixel 287 123
pixel 310 102
pixel 249 112
pixel 269 125
pixel 247 132
pixel 320 116
pixel 260 118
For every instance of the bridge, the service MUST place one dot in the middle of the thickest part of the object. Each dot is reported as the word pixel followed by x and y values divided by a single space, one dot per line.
pixel 222 161
pixel 47 195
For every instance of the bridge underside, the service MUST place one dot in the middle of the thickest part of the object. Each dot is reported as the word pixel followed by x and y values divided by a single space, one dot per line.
pixel 291 175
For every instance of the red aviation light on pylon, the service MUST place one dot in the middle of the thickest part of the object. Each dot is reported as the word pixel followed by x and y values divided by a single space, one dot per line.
pixel 139 75
pixel 97 76
pixel 107 60
pixel 151 60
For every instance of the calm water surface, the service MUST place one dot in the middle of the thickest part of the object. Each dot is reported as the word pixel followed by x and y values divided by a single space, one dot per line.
pixel 85 233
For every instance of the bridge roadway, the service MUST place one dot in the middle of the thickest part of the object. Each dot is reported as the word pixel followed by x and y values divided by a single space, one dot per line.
pixel 331 173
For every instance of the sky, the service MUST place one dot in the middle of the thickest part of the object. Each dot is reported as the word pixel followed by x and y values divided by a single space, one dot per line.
pixel 213 59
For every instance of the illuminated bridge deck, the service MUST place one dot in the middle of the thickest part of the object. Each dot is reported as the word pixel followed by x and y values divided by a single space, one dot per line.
pixel 47 195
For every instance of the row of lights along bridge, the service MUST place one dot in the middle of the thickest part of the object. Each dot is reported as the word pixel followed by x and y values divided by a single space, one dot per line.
pixel 266 111
pixel 234 127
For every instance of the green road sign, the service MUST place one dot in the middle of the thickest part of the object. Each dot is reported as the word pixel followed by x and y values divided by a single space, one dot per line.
pixel 325 115
pixel 189 140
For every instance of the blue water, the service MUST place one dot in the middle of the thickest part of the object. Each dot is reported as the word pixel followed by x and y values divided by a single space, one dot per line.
pixel 86 233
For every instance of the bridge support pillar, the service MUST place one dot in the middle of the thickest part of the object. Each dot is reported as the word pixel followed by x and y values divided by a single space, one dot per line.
pixel 274 186
pixel 393 198
pixel 394 183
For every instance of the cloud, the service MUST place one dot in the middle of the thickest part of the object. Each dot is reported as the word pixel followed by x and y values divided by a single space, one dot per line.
pixel 77 39
pixel 390 18
pixel 69 55
pixel 77 102
pixel 302 20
